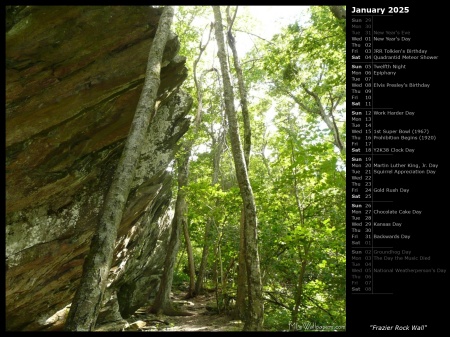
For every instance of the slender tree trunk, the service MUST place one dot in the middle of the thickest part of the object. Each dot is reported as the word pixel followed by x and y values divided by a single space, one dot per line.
pixel 242 91
pixel 226 275
pixel 89 296
pixel 218 148
pixel 188 149
pixel 216 281
pixel 298 293
pixel 256 302
pixel 198 84
pixel 303 258
pixel 190 255
pixel 241 292
pixel 218 264
pixel 204 261
pixel 162 303
pixel 177 267
pixel 180 219
pixel 301 278
pixel 222 279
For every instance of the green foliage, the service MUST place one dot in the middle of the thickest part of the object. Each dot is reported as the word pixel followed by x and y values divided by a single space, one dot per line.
pixel 180 278
pixel 305 60
pixel 295 172
pixel 277 319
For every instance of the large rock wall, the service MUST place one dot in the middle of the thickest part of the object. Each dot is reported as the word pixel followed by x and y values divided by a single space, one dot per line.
pixel 74 75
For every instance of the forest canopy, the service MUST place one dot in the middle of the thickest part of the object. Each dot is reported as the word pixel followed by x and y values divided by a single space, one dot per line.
pixel 289 97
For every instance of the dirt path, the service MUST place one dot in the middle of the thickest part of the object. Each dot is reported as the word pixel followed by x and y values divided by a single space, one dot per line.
pixel 204 318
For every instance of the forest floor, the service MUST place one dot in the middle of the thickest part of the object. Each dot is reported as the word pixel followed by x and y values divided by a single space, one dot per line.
pixel 204 317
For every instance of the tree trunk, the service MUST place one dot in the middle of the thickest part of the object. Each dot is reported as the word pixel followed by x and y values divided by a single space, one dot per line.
pixel 88 299
pixel 162 303
pixel 298 293
pixel 218 148
pixel 340 14
pixel 190 255
pixel 216 281
pixel 199 283
pixel 256 302
pixel 222 279
pixel 301 278
pixel 204 261
pixel 242 92
pixel 241 293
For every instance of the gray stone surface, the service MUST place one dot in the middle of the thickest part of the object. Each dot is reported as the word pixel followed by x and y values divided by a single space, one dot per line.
pixel 74 75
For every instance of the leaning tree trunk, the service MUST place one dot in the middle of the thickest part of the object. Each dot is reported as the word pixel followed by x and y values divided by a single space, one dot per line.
pixel 162 303
pixel 241 293
pixel 256 302
pixel 88 298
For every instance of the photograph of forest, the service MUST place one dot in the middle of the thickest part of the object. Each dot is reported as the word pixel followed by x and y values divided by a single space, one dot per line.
pixel 175 168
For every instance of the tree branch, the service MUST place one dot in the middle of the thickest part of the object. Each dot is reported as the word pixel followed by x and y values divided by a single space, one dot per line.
pixel 259 37
pixel 197 83
pixel 275 300
pixel 319 306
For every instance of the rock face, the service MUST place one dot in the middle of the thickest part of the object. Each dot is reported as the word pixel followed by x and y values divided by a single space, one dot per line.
pixel 74 75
